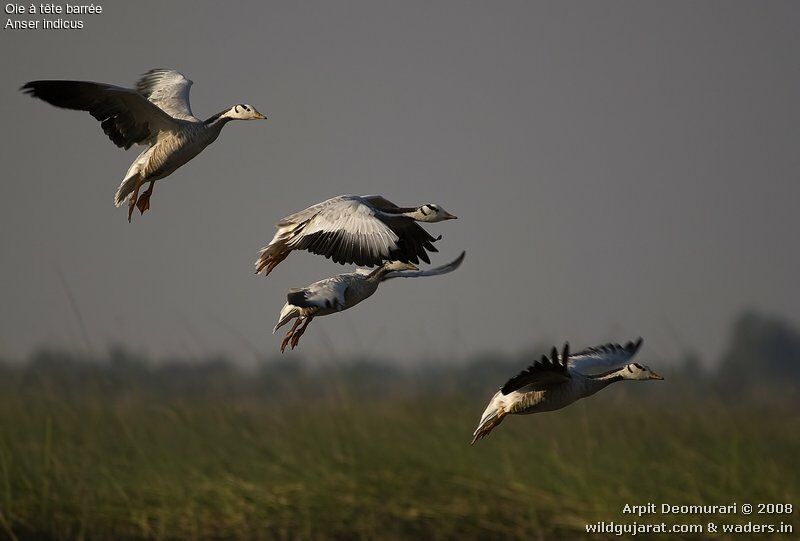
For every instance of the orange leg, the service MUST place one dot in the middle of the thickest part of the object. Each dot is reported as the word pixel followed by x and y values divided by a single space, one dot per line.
pixel 300 331
pixel 133 197
pixel 143 202
pixel 288 336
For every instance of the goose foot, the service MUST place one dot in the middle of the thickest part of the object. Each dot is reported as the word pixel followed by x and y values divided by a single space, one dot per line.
pixel 143 202
pixel 134 197
pixel 131 206
pixel 296 336
pixel 285 341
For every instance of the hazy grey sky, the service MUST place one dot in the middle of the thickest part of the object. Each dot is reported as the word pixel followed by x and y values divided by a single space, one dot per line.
pixel 618 168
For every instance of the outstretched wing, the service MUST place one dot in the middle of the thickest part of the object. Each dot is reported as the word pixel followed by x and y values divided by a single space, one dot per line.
pixel 605 357
pixel 126 116
pixel 169 90
pixel 543 373
pixel 328 293
pixel 444 269
pixel 348 229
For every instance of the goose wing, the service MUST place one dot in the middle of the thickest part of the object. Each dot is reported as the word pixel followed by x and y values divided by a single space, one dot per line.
pixel 126 116
pixel 169 90
pixel 383 204
pixel 328 293
pixel 605 357
pixel 436 271
pixel 348 229
pixel 543 373
pixel 414 240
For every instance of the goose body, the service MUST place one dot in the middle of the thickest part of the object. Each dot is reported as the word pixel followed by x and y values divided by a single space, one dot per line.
pixel 156 113
pixel 554 382
pixel 365 230
pixel 342 292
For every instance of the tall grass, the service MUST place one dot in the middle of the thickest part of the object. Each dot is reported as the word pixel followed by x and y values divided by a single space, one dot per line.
pixel 328 461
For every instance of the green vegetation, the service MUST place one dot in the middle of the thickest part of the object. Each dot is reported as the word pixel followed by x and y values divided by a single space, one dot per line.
pixel 131 467
pixel 122 449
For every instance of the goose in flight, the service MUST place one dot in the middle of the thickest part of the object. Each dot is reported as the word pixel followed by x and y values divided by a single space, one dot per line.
pixel 344 291
pixel 557 381
pixel 156 113
pixel 362 229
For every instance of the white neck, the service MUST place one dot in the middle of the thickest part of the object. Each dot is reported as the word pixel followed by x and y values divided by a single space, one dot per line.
pixel 378 274
pixel 601 381
pixel 219 120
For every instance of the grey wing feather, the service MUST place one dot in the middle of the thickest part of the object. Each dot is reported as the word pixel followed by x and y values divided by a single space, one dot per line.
pixel 543 373
pixel 126 116
pixel 328 293
pixel 436 271
pixel 168 90
pixel 605 357
pixel 344 229
pixel 350 229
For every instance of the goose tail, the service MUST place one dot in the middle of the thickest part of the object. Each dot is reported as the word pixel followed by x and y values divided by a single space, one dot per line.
pixel 269 257
pixel 125 189
pixel 492 416
pixel 288 312
pixel 132 176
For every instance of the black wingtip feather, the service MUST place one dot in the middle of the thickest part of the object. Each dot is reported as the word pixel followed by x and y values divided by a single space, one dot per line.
pixel 118 120
pixel 544 364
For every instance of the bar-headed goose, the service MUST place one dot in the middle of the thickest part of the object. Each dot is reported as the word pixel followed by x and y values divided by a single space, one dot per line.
pixel 156 113
pixel 554 382
pixel 342 292
pixel 365 230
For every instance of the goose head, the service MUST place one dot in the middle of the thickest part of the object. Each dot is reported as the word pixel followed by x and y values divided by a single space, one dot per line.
pixel 431 212
pixel 638 371
pixel 242 111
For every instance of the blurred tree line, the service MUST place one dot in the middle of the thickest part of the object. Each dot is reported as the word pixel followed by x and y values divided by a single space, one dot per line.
pixel 760 362
pixel 762 356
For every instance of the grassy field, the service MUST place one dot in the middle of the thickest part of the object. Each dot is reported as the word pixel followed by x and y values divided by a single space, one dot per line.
pixel 94 464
